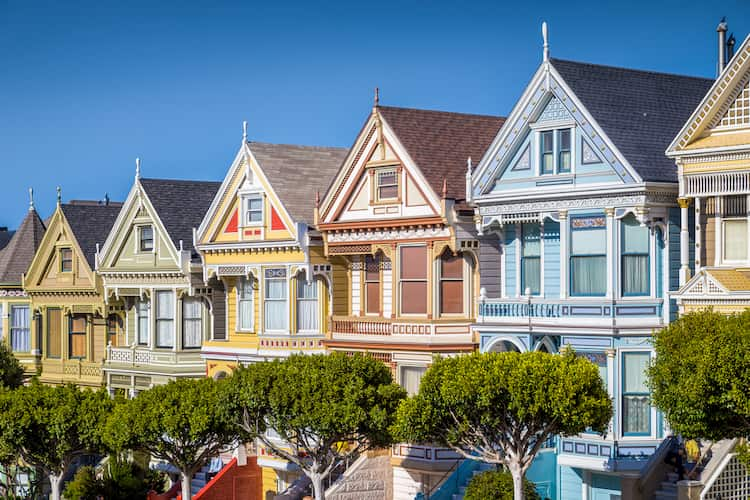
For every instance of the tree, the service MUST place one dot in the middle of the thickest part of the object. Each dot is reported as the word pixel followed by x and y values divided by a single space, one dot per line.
pixel 326 408
pixel 501 407
pixel 700 377
pixel 121 479
pixel 11 371
pixel 182 422
pixel 50 427
pixel 498 485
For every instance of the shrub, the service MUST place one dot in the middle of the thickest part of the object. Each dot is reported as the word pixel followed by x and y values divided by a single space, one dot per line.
pixel 497 485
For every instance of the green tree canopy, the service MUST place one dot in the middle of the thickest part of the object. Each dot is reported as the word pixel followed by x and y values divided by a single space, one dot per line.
pixel 326 408
pixel 11 371
pixel 700 377
pixel 501 407
pixel 50 426
pixel 497 485
pixel 182 422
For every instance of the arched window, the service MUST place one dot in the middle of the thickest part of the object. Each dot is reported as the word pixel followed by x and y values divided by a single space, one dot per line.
pixel 307 305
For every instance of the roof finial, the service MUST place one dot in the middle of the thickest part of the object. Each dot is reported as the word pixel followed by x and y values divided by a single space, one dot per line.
pixel 468 164
pixel 317 199
pixel 31 199
pixel 545 37
pixel 244 131
pixel 137 168
pixel 469 197
pixel 377 97
pixel 445 188
pixel 59 195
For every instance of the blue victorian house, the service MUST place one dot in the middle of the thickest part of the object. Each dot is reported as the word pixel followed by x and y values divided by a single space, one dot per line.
pixel 577 207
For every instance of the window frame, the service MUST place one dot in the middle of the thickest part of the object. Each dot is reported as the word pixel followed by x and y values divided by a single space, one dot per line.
pixel 59 332
pixel 723 254
pixel 13 329
pixel 402 280
pixel 374 260
pixel 285 299
pixel 378 172
pixel 143 241
pixel 302 279
pixel 442 278
pixel 624 254
pixel 246 201
pixel 72 334
pixel 117 329
pixel 63 260
pixel 404 367
pixel 554 131
pixel 146 306
pixel 242 282
pixel 158 320
pixel 523 257
pixel 185 319
pixel 572 255
pixel 559 150
pixel 624 394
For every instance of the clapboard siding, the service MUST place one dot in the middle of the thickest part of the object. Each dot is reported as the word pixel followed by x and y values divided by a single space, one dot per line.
pixel 551 259
pixel 511 285
pixel 219 309
pixel 490 255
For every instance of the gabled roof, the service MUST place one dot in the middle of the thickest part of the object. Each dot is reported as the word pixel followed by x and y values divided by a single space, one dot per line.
pixel 296 173
pixel 180 205
pixel 90 222
pixel 640 111
pixel 19 252
pixel 440 142
pixel 5 237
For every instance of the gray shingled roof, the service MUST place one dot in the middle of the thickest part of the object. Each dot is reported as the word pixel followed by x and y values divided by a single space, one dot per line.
pixel 640 111
pixel 90 222
pixel 181 206
pixel 296 173
pixel 19 252
pixel 5 237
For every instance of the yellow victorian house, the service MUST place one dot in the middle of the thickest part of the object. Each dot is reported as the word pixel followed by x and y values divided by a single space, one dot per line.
pixel 66 294
pixel 264 263
pixel 712 153
pixel 16 321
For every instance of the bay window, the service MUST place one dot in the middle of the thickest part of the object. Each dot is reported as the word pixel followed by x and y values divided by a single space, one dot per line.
pixel 413 279
pixel 531 260
pixel 307 305
pixel 77 336
pixel 275 301
pixel 636 406
pixel 635 263
pixel 164 318
pixel 451 284
pixel 20 330
pixel 142 323
pixel 245 304
pixel 588 256
pixel 372 285
pixel 192 322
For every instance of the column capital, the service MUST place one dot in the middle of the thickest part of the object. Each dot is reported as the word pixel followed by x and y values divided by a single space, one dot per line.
pixel 683 202
pixel 610 353
pixel 609 211
pixel 562 214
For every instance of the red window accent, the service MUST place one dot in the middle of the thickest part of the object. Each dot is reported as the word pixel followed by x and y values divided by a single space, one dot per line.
pixel 232 226
pixel 276 222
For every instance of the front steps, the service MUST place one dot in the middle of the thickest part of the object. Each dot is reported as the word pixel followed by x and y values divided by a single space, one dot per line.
pixel 483 467
pixel 368 478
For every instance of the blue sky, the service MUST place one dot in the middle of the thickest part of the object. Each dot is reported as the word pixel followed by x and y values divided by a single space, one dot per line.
pixel 86 86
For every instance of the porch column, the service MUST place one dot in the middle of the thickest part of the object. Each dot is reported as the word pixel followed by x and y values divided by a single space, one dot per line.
pixel 564 253
pixel 684 240
pixel 610 213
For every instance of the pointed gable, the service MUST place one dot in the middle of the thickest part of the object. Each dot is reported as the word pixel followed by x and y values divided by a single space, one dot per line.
pixel 90 223
pixel 19 252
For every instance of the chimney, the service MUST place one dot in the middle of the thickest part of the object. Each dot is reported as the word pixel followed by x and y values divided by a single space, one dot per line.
pixel 721 29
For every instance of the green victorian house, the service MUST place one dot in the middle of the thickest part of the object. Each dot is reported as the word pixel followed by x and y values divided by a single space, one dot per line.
pixel 153 279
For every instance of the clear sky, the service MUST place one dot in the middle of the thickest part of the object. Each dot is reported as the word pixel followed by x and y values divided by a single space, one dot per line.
pixel 86 86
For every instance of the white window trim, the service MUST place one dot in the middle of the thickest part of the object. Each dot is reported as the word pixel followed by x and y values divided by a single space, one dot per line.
pixel 138 229
pixel 201 318
pixel 316 284
pixel 619 249
pixel 155 322
pixel 554 127
pixel 465 279
pixel 245 197
pixel 252 306
pixel 720 244
pixel 138 323
pixel 376 180
pixel 519 259
pixel 618 399
pixel 265 298
pixel 363 281
pixel 401 366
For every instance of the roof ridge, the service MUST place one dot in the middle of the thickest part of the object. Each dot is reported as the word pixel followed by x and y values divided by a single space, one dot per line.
pixel 186 181
pixel 634 70
pixel 439 111
pixel 301 146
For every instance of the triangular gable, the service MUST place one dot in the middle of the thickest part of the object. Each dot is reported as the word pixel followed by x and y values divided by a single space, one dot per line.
pixel 227 221
pixel 45 269
pixel 548 101
pixel 714 110
pixel 121 249
pixel 702 284
pixel 378 152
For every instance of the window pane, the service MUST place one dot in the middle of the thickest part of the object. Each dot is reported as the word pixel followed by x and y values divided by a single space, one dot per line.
pixel 531 240
pixel 564 161
pixel 142 314
pixel 413 262
pixel 164 333
pixel 165 319
pixel 387 192
pixel 635 236
pixel 19 328
pixel 636 413
pixel 564 139
pixel 165 305
pixel 114 326
pixel 735 239
pixel 255 204
pixel 192 323
pixel 307 305
pixel 452 267
pixel 372 298
pixel 635 275
pixel 77 345
pixel 414 297
pixel 588 275
pixel 54 333
pixel 634 367
pixel 78 324
pixel 275 289
pixel 411 376
pixel 589 241
pixel 147 238
pixel 452 297
pixel 66 260
pixel 547 141
pixel 548 165
pixel 276 315
pixel 372 268
pixel 531 275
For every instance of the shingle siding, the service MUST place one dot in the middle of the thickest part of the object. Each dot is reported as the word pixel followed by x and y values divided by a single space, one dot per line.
pixel 490 255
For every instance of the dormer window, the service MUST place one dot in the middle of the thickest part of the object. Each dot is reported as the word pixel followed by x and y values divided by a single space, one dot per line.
pixel 555 151
pixel 254 210
pixel 386 184
pixel 66 260
pixel 146 237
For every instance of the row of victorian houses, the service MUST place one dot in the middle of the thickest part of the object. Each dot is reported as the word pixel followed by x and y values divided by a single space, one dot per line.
pixel 435 233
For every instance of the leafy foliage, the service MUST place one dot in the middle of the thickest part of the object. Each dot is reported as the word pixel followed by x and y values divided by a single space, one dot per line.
pixel 497 485
pixel 700 378
pixel 326 407
pixel 11 371
pixel 121 480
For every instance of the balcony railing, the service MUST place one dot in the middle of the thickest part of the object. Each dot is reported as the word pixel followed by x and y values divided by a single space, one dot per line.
pixel 571 308
pixel 141 355
pixel 383 327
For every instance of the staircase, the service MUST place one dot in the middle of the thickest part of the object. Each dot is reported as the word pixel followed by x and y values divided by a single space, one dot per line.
pixel 368 478
pixel 459 495
pixel 668 489
pixel 199 480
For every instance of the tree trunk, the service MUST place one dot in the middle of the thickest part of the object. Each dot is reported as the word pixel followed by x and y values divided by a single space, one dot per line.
pixel 515 471
pixel 319 492
pixel 187 491
pixel 55 483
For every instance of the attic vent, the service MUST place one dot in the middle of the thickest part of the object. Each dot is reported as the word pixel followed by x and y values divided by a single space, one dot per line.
pixel 738 114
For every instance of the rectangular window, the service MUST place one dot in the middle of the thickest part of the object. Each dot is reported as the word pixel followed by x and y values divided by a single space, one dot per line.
pixel 276 311
pixel 307 305
pixel 735 239
pixel 563 151
pixel 451 284
pixel 531 259
pixel 245 304
pixel 411 376
pixel 114 327
pixel 20 330
pixel 146 238
pixel 636 408
pixel 372 285
pixel 54 333
pixel 413 279
pixel 387 184
pixel 66 260
pixel 547 152
pixel 588 256
pixel 77 336
pixel 164 318
pixel 254 210
pixel 192 323
pixel 635 265
pixel 142 322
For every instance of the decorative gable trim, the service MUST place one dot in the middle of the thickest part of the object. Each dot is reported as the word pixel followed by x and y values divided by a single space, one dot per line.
pixel 701 285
